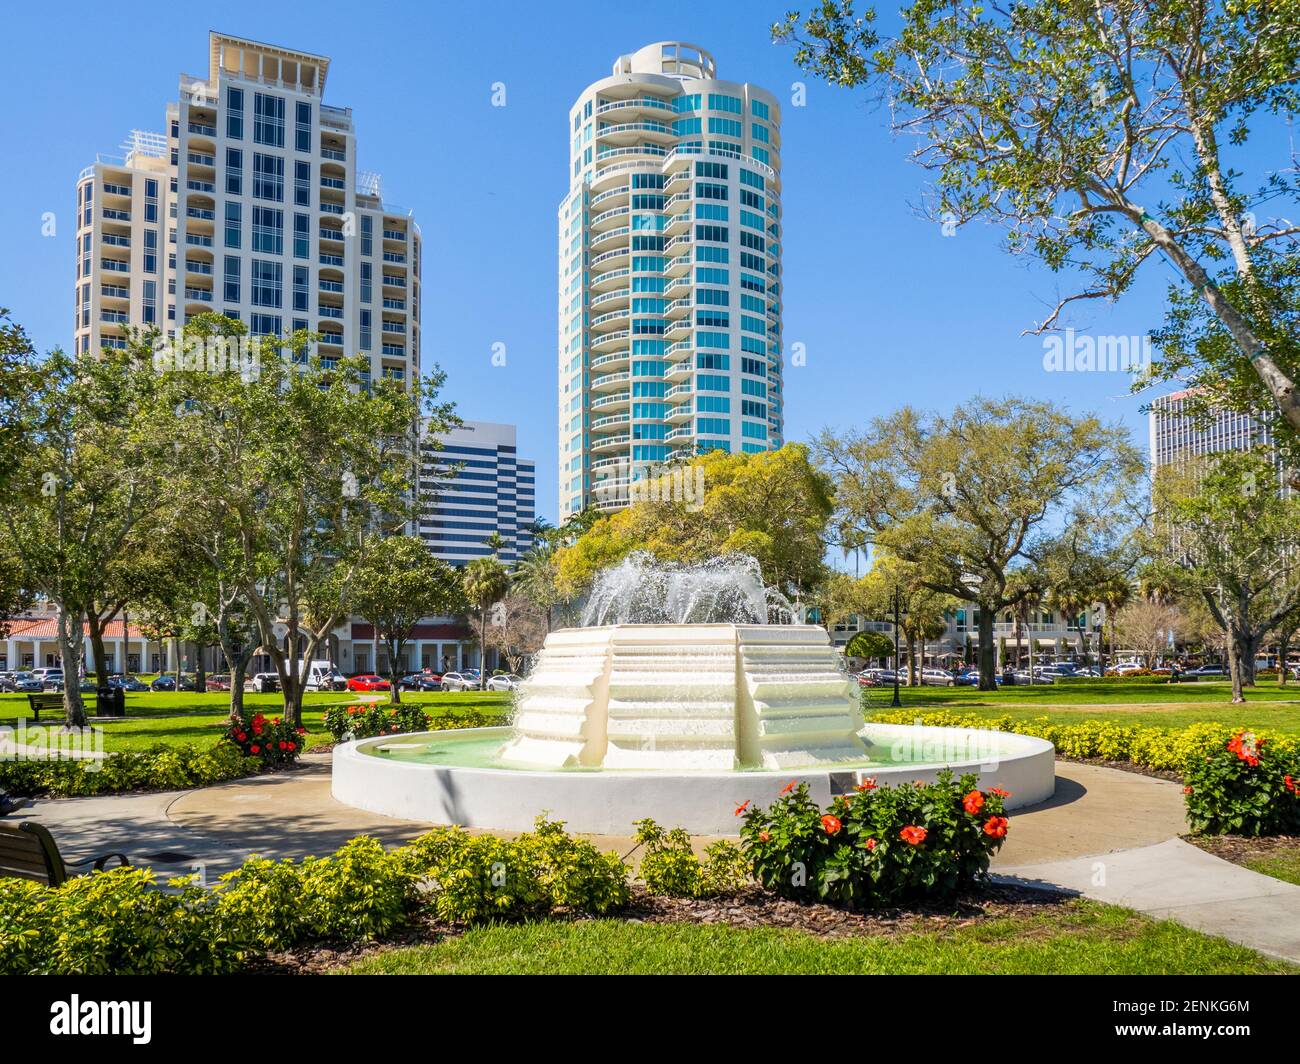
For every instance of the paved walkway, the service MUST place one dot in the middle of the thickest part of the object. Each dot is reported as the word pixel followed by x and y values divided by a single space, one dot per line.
pixel 1107 834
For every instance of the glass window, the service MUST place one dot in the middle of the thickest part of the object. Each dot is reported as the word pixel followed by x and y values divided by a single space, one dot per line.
pixel 234 114
pixel 268 119
pixel 302 126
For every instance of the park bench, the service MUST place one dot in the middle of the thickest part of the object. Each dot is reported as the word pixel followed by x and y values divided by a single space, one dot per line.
pixel 28 851
pixel 47 701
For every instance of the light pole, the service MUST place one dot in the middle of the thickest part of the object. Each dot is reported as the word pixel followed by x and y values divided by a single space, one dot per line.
pixel 896 701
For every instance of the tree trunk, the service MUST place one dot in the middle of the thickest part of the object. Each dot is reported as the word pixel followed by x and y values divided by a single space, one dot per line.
pixel 176 662
pixel 1283 649
pixel 1234 668
pixel 911 660
pixel 394 692
pixel 71 650
pixel 97 624
pixel 200 675
pixel 238 672
pixel 482 647
pixel 987 682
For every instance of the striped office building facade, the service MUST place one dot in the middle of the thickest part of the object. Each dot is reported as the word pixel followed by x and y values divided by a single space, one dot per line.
pixel 473 483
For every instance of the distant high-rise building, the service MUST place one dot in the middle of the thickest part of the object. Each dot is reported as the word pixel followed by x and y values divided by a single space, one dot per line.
pixel 1177 434
pixel 472 483
pixel 669 273
pixel 251 205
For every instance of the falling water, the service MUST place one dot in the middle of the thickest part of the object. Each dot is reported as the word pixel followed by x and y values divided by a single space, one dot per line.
pixel 725 590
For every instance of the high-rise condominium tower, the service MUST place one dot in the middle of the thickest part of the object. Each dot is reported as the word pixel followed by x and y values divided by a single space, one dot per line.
pixel 251 204
pixel 669 273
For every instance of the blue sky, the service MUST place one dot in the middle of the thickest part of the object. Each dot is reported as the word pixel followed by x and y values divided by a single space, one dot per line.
pixel 889 310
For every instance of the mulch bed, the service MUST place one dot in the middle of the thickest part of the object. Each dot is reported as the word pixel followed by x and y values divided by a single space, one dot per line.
pixel 1238 849
pixel 751 908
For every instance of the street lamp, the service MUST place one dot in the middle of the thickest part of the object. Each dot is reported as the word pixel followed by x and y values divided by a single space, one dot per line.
pixel 896 702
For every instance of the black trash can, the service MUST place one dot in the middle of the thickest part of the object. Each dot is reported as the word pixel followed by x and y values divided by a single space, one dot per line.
pixel 110 702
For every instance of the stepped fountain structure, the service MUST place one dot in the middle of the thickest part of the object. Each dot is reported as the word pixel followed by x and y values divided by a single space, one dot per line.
pixel 686 691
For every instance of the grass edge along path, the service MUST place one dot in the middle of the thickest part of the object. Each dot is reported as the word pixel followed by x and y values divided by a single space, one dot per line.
pixel 1082 937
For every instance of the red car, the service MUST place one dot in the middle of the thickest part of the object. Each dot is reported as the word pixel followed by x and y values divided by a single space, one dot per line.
pixel 369 682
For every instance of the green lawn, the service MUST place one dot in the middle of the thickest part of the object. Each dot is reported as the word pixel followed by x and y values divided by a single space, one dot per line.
pixel 181 717
pixel 1081 938
pixel 1158 705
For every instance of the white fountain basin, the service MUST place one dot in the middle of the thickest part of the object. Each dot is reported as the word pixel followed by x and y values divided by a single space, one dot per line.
pixel 445 785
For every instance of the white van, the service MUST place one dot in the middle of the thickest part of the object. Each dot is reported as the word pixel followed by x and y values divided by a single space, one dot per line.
pixel 322 676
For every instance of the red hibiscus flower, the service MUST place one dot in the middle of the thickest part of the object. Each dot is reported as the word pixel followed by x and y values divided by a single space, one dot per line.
pixel 1291 785
pixel 765 836
pixel 996 827
pixel 255 749
pixel 973 802
pixel 1246 747
pixel 867 785
pixel 789 786
pixel 742 807
pixel 913 835
pixel 830 824
pixel 292 747
pixel 870 844
pixel 999 792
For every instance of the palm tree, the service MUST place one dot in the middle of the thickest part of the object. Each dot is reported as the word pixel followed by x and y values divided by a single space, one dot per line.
pixel 1113 595
pixel 486 582
pixel 1070 602
pixel 534 575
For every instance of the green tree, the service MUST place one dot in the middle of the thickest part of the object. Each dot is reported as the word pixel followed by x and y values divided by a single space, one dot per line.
pixel 971 497
pixel 773 506
pixel 486 582
pixel 83 473
pixel 1224 533
pixel 308 463
pixel 398 582
pixel 1101 136
pixel 869 646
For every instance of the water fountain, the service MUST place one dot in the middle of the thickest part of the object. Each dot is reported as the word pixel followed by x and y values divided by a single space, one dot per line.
pixel 686 692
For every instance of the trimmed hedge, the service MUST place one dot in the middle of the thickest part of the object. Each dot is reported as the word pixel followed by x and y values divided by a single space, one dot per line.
pixel 1221 798
pixel 160 768
pixel 119 922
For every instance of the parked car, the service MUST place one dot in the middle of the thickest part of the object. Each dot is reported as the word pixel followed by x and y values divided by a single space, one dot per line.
pixel 25 683
pixel 1206 670
pixel 162 683
pixel 127 683
pixel 218 682
pixel 51 679
pixel 933 677
pixel 506 681
pixel 420 681
pixel 265 683
pixel 321 675
pixel 458 681
pixel 368 682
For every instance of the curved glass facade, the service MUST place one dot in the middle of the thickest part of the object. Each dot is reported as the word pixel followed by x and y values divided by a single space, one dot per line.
pixel 669 274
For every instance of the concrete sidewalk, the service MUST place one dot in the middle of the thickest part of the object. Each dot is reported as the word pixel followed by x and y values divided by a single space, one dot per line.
pixel 1178 881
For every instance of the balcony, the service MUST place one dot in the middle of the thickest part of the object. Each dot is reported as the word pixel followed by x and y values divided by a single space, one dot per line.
pixel 394 256
pixel 608 443
pixel 609 360
pixel 201 213
pixel 614 315
pixel 606 341
pixel 113 189
pixel 115 241
pixel 331 208
pixel 636 103
pixel 326 311
pixel 113 317
pixel 609 297
pixel 203 129
pixel 113 215
pixel 603 280
pixel 394 234
pixel 608 422
pixel 609 380
pixel 393 351
pixel 202 294
pixel 610 256
pixel 683 433
pixel 393 281
pixel 606 217
pixel 114 291
pixel 599 240
pixel 335 154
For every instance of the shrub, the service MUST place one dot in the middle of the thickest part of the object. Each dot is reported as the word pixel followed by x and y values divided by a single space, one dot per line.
pixel 468 879
pixel 159 768
pixel 1246 786
pixel 877 845
pixel 114 923
pixel 364 721
pixel 669 865
pixel 358 893
pixel 274 742
pixel 262 901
